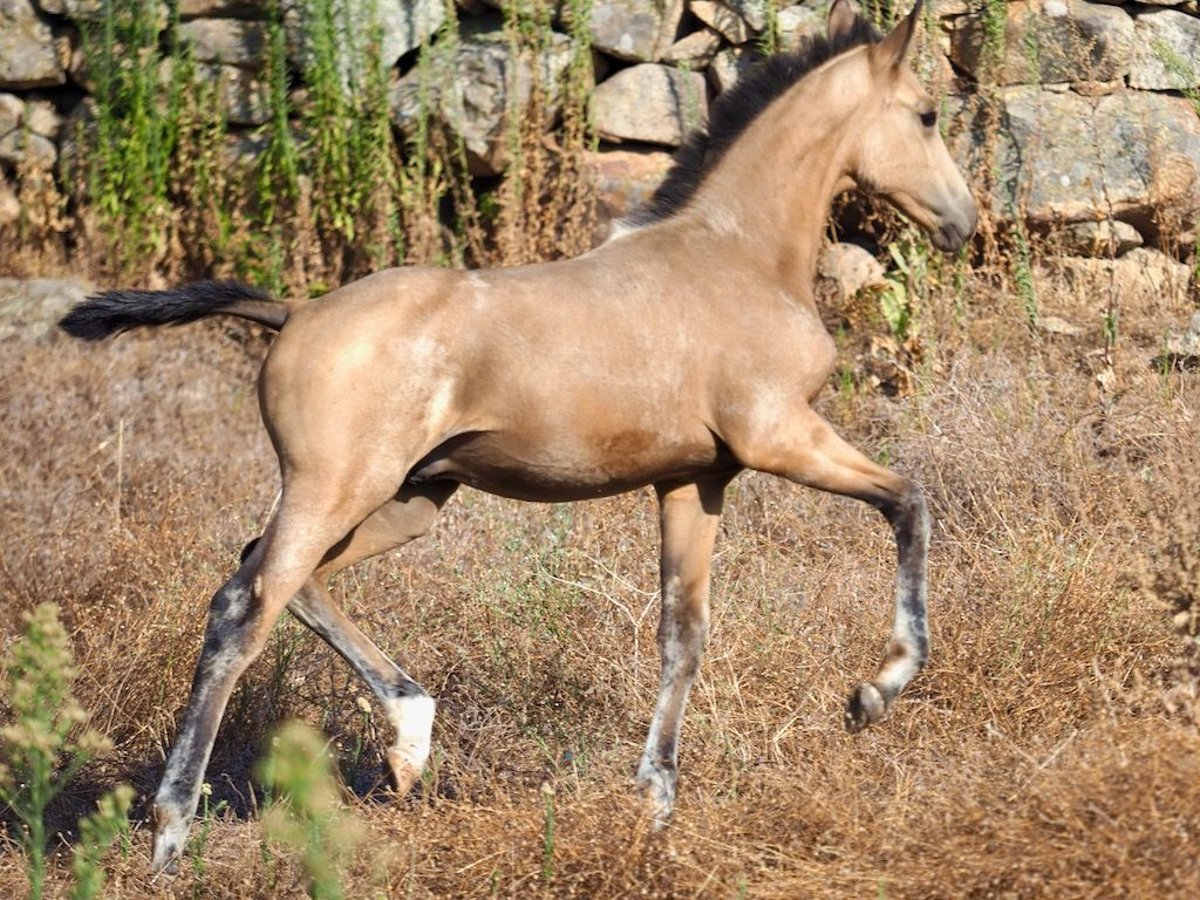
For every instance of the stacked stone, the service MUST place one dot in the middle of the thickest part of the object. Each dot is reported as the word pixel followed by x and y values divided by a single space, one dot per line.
pixel 1094 106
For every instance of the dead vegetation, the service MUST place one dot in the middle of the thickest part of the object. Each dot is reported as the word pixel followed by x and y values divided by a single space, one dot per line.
pixel 1050 749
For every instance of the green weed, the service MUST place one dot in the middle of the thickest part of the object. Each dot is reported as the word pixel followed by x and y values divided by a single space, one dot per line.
pixel 307 815
pixel 45 744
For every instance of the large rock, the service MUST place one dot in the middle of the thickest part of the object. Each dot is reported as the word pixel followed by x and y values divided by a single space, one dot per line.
pixel 29 57
pixel 230 42
pixel 31 308
pixel 1062 41
pixel 1106 238
pixel 27 132
pixel 1060 157
pixel 722 19
pixel 753 11
pixel 696 50
pixel 636 30
pixel 469 92
pixel 1167 56
pixel 625 180
pixel 651 103
pixel 798 24
pixel 10 206
pixel 242 96
pixel 228 9
pixel 405 25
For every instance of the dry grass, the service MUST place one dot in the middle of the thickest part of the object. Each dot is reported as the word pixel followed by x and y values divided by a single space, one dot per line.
pixel 1047 751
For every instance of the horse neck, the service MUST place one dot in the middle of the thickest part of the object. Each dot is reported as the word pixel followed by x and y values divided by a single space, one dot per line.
pixel 773 189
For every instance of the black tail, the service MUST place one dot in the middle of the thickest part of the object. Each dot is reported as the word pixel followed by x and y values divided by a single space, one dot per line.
pixel 112 312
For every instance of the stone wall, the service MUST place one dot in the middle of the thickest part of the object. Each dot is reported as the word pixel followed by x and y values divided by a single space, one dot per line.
pixel 1089 113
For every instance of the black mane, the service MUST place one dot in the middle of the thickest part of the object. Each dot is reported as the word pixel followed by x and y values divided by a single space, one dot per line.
pixel 735 109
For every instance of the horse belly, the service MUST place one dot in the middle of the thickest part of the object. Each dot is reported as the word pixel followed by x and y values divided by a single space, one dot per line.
pixel 571 468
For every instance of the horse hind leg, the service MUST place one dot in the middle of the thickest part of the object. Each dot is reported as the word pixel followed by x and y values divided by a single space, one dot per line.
pixel 409 708
pixel 689 515
pixel 310 520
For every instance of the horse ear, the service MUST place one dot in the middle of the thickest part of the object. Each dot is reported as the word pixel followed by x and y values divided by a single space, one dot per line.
pixel 841 19
pixel 890 52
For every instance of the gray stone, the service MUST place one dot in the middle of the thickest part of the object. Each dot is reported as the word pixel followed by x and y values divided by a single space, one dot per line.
pixel 721 19
pixel 36 117
pixel 1061 157
pixel 797 24
pixel 1085 42
pixel 1102 239
pixel 24 147
pixel 230 42
pixel 31 308
pixel 75 9
pixel 469 92
pixel 625 179
pixel 1142 277
pixel 224 9
pixel 697 49
pixel 243 97
pixel 10 206
pixel 12 111
pixel 405 25
pixel 651 103
pixel 42 118
pixel 635 30
pixel 1187 344
pixel 29 57
pixel 846 269
pixel 753 11
pixel 1167 56
pixel 727 67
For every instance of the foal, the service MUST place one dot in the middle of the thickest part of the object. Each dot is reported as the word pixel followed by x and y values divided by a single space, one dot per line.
pixel 682 351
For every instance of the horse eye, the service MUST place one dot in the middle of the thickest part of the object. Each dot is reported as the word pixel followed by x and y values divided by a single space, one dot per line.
pixel 929 118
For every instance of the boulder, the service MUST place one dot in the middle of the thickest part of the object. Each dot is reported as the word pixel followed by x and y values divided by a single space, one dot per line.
pixel 21 137
pixel 29 56
pixel 1061 157
pixel 729 65
pixel 224 9
pixel 10 206
pixel 1106 238
pixel 405 25
pixel 230 42
pixel 1141 279
pixel 1060 41
pixel 797 24
pixel 651 103
pixel 468 91
pixel 635 30
pixel 31 308
pixel 12 111
pixel 846 269
pixel 697 49
pixel 625 179
pixel 242 96
pixel 721 19
pixel 753 11
pixel 1167 56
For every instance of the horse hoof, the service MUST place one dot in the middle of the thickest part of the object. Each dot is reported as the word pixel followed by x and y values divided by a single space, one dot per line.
pixel 170 835
pixel 657 791
pixel 865 707
pixel 404 774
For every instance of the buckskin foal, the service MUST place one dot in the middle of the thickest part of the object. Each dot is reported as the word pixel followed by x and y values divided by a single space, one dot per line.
pixel 680 352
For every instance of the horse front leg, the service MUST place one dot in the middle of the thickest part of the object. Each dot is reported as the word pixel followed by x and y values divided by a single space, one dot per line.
pixel 689 515
pixel 806 450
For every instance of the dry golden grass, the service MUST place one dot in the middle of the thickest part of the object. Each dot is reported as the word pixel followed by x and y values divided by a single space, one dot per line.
pixel 1050 749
